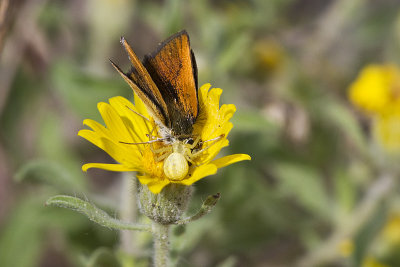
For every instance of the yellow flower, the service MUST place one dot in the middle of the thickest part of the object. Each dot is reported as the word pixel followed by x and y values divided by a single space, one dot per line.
pixel 372 262
pixel 346 247
pixel 377 89
pixel 128 123
pixel 391 231
pixel 387 129
pixel 377 92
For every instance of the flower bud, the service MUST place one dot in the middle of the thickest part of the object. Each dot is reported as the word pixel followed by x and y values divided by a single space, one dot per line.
pixel 166 207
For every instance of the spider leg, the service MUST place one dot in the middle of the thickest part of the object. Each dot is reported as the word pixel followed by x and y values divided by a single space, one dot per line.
pixel 215 139
pixel 163 156
pixel 191 161
pixel 160 150
pixel 197 153
pixel 196 141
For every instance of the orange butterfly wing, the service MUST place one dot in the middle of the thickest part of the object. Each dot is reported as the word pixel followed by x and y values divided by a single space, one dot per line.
pixel 142 84
pixel 173 69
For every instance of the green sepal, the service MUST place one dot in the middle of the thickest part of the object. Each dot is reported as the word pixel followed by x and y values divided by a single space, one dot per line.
pixel 206 208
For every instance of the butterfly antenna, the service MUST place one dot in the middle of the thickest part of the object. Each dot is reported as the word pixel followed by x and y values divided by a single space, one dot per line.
pixel 137 113
pixel 142 143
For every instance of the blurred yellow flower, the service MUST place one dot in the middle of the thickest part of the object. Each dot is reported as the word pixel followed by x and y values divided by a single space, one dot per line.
pixel 376 91
pixel 391 231
pixel 269 54
pixel 127 123
pixel 387 129
pixel 346 247
pixel 372 262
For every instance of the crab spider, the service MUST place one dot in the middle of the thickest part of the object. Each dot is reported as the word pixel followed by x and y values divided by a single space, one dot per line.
pixel 177 154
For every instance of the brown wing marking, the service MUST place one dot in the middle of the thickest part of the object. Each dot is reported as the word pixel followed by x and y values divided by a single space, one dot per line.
pixel 152 106
pixel 142 84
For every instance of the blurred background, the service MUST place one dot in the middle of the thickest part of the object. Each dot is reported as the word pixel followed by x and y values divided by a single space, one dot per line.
pixel 320 190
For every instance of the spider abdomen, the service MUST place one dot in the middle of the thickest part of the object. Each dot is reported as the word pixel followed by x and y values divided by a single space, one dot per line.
pixel 176 166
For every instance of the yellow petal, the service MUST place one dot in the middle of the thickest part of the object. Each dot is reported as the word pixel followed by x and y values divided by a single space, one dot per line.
pixel 137 125
pixel 203 91
pixel 108 167
pixel 114 123
pixel 213 151
pixel 156 186
pixel 212 103
pixel 145 179
pixel 227 111
pixel 228 160
pixel 199 173
pixel 97 127
pixel 141 107
pixel 371 89
pixel 118 152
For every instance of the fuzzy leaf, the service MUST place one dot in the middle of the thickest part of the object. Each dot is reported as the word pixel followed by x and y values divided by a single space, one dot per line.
pixel 50 172
pixel 93 213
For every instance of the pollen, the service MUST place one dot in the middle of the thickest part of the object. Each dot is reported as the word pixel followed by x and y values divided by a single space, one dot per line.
pixel 176 166
pixel 150 166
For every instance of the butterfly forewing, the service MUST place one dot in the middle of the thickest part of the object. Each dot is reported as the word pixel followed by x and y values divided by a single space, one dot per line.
pixel 173 69
pixel 143 85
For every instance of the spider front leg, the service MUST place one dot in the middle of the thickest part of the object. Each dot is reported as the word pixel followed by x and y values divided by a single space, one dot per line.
pixel 160 150
pixel 215 140
pixel 191 161
pixel 196 141
pixel 163 156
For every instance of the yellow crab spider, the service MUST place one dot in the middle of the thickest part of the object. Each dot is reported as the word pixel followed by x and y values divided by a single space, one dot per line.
pixel 177 154
pixel 176 165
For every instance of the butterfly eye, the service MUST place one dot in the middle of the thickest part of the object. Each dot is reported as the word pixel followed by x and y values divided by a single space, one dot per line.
pixel 176 166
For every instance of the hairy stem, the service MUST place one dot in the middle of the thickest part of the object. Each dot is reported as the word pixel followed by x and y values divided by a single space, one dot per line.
pixel 161 245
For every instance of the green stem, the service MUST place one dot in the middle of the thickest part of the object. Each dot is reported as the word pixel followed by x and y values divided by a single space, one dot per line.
pixel 161 245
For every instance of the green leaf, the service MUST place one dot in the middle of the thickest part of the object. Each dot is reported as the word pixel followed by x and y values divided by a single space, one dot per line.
pixel 22 233
pixel 102 257
pixel 49 172
pixel 340 116
pixel 252 121
pixel 21 240
pixel 52 145
pixel 345 192
pixel 93 213
pixel 229 262
pixel 305 185
pixel 81 90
